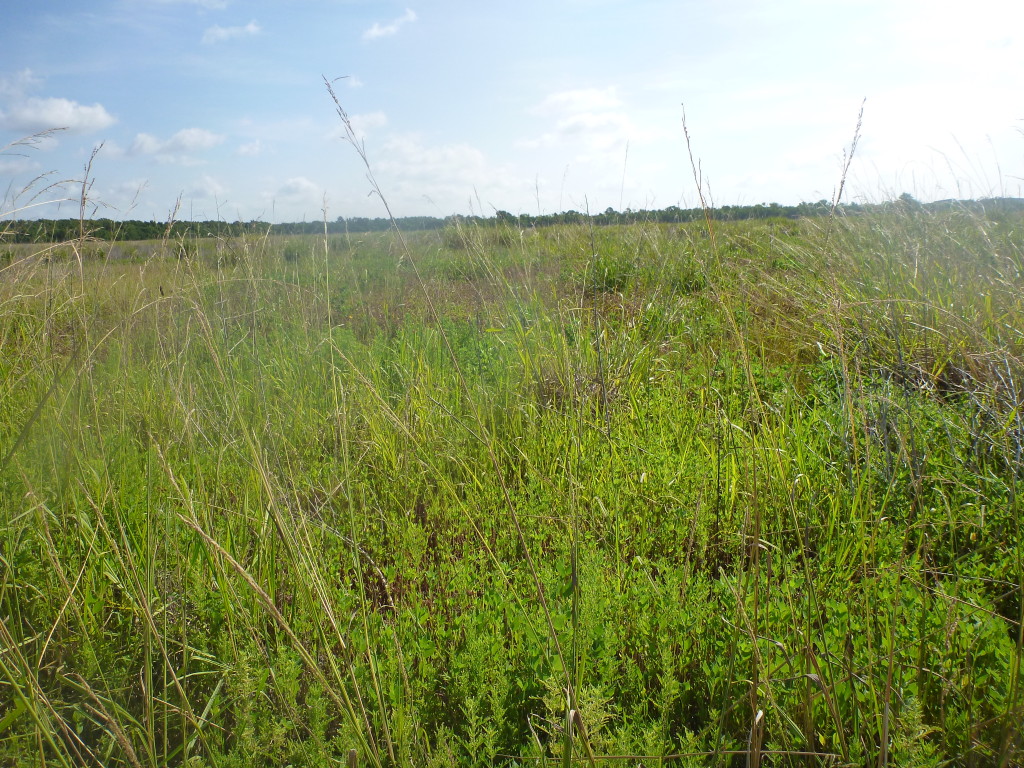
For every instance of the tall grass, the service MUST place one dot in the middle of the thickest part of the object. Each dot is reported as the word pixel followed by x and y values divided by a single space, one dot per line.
pixel 486 496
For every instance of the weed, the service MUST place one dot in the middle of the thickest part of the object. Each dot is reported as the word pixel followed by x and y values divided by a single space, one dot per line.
pixel 514 497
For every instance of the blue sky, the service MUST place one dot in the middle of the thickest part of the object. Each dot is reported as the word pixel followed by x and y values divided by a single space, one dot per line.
pixel 532 106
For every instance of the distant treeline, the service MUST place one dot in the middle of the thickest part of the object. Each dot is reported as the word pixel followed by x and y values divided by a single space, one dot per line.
pixel 60 230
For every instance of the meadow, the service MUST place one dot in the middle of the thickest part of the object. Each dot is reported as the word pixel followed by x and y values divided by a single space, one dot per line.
pixel 702 494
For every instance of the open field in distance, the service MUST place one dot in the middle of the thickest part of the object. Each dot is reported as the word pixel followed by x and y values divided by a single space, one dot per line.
pixel 746 495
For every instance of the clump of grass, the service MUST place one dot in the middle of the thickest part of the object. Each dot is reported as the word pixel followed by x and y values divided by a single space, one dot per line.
pixel 752 497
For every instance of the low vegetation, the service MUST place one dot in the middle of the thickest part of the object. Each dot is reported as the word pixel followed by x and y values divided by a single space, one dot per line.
pixel 649 494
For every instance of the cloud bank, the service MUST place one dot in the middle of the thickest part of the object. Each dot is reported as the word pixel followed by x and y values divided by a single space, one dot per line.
pixel 177 148
pixel 36 114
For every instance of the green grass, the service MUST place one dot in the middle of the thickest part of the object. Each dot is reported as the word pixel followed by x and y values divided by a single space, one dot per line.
pixel 264 501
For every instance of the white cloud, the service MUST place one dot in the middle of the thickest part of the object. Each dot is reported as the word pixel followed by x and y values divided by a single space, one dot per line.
pixel 12 166
pixel 251 149
pixel 589 119
pixel 363 124
pixel 413 171
pixel 408 157
pixel 177 147
pixel 113 149
pixel 216 33
pixel 130 188
pixel 146 144
pixel 581 100
pixel 206 188
pixel 18 84
pixel 123 196
pixel 37 114
pixel 596 130
pixel 192 139
pixel 299 187
pixel 378 31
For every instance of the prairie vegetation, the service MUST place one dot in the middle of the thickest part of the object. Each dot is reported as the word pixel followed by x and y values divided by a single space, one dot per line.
pixel 649 494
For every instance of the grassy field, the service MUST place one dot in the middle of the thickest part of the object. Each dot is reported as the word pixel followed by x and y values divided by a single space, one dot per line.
pixel 627 496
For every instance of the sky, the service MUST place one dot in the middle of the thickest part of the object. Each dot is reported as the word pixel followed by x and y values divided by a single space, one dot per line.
pixel 218 108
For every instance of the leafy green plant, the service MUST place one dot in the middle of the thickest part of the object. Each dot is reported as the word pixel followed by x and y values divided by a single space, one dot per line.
pixel 424 499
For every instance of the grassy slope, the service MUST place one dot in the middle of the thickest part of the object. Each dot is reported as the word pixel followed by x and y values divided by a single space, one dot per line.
pixel 260 506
